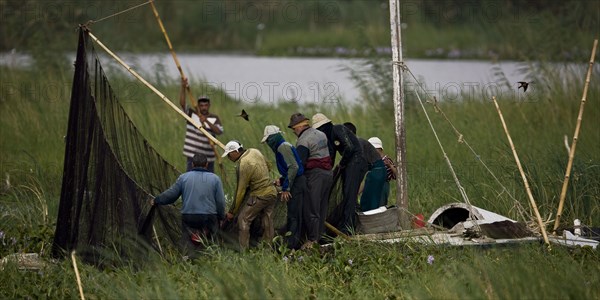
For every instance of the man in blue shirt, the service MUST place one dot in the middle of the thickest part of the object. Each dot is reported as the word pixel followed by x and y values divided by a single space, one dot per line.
pixel 294 189
pixel 203 201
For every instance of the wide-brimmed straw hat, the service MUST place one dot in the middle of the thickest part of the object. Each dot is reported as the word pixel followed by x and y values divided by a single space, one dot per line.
pixel 319 120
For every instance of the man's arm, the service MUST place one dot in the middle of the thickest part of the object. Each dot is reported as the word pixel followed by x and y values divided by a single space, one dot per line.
pixel 215 127
pixel 292 165
pixel 390 164
pixel 349 141
pixel 303 152
pixel 170 195
pixel 184 85
pixel 244 178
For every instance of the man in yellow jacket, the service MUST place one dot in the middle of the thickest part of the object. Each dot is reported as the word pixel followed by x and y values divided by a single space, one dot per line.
pixel 255 187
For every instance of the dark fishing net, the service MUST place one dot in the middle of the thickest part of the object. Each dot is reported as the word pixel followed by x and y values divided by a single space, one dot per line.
pixel 335 208
pixel 110 172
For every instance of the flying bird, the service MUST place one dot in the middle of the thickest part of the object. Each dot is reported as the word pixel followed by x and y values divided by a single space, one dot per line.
pixel 244 115
pixel 524 85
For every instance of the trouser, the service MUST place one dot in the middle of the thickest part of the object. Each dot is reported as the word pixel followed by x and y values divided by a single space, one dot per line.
pixel 188 165
pixel 204 225
pixel 371 195
pixel 385 194
pixel 315 207
pixel 352 176
pixel 254 207
pixel 299 193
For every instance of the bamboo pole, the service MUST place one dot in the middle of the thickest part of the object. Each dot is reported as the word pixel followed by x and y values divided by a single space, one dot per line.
pixel 563 192
pixel 527 188
pixel 77 275
pixel 157 92
pixel 336 231
pixel 398 97
pixel 187 88
pixel 173 54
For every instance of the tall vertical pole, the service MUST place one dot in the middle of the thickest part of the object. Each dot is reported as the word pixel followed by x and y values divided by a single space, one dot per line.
pixel 397 64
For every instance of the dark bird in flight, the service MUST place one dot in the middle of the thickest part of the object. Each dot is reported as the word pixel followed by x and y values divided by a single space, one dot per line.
pixel 524 85
pixel 244 115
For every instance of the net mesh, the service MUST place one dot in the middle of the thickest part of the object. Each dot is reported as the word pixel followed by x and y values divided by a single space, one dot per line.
pixel 110 172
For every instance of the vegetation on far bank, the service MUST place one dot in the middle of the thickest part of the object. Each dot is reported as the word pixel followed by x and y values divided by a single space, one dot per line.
pixel 490 29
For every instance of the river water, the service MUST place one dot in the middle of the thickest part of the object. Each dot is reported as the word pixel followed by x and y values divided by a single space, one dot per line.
pixel 306 80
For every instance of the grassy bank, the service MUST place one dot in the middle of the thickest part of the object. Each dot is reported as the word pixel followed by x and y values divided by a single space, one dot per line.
pixel 493 29
pixel 33 118
pixel 360 271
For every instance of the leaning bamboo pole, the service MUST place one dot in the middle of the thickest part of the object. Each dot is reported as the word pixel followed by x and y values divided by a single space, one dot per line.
pixel 337 231
pixel 563 192
pixel 77 275
pixel 173 54
pixel 157 92
pixel 187 88
pixel 527 188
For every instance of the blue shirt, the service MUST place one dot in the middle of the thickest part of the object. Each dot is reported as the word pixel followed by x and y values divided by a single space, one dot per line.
pixel 288 165
pixel 202 193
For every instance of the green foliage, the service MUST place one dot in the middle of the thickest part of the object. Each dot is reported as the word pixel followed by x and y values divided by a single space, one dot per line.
pixel 552 30
pixel 356 269
pixel 33 116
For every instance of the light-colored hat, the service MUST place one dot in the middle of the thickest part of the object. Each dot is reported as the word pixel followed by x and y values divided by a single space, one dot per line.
pixel 269 130
pixel 319 120
pixel 231 146
pixel 376 142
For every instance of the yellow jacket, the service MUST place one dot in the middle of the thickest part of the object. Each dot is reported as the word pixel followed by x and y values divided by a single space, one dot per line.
pixel 252 176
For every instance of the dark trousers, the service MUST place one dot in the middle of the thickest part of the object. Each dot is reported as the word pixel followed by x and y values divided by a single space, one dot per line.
pixel 205 226
pixel 316 204
pixel 299 193
pixel 188 165
pixel 352 176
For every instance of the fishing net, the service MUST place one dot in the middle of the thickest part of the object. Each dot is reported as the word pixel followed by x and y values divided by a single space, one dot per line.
pixel 335 207
pixel 110 173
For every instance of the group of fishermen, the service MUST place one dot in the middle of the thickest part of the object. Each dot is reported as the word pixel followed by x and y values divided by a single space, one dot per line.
pixel 306 171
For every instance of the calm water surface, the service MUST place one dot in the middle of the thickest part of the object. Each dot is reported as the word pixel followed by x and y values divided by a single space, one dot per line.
pixel 307 80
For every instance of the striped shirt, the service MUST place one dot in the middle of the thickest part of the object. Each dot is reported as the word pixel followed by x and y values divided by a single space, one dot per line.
pixel 195 141
pixel 388 164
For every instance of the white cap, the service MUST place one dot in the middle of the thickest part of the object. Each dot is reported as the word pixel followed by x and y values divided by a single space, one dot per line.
pixel 319 120
pixel 231 146
pixel 269 130
pixel 376 142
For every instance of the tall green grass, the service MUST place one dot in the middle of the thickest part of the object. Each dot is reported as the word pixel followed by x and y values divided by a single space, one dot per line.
pixel 33 119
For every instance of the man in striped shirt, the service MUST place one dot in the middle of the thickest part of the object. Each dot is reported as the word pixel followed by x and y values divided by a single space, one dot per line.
pixel 195 141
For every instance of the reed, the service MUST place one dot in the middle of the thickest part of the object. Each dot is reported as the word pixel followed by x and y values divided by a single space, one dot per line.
pixel 33 157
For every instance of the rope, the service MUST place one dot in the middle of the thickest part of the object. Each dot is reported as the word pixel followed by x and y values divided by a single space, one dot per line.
pixel 460 188
pixel 117 13
pixel 462 140
pixel 401 64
